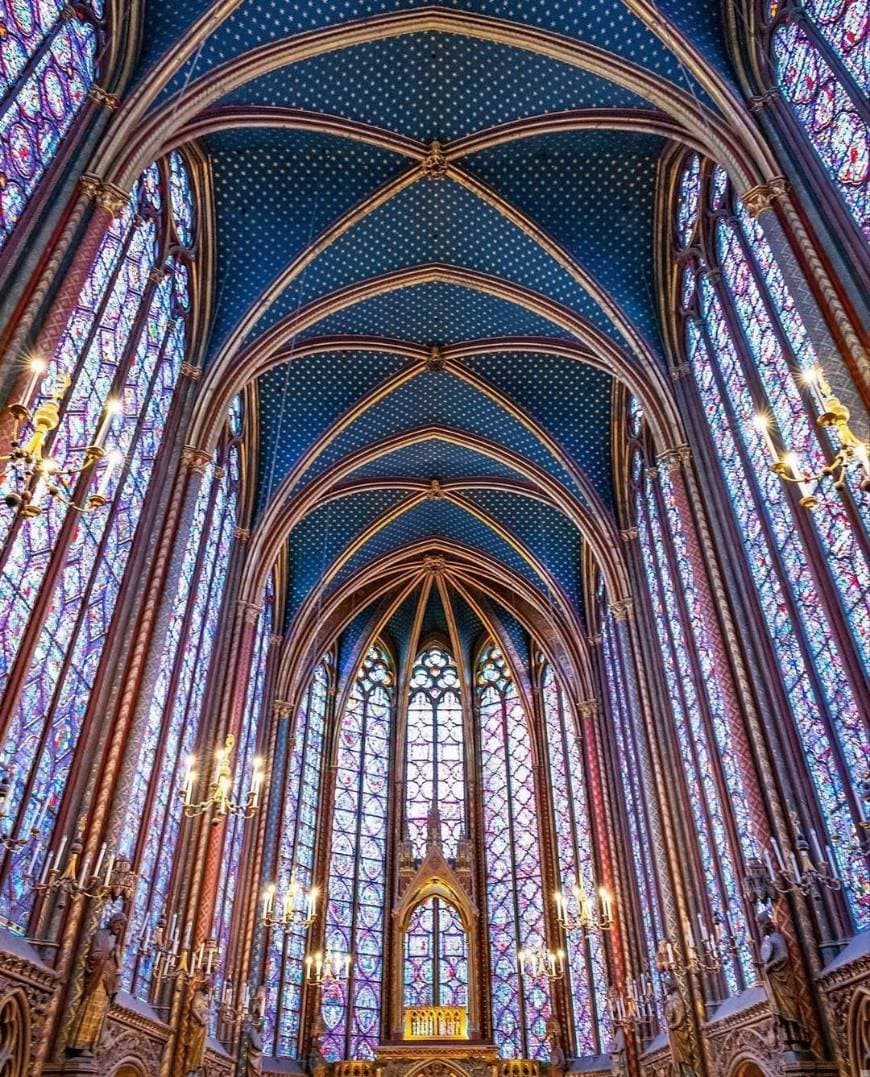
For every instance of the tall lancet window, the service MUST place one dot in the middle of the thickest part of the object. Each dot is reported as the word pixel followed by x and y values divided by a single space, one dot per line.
pixel 248 746
pixel 574 844
pixel 47 65
pixel 152 823
pixel 302 783
pixel 434 752
pixel 61 573
pixel 357 867
pixel 747 346
pixel 436 956
pixel 703 737
pixel 635 780
pixel 821 59
pixel 514 890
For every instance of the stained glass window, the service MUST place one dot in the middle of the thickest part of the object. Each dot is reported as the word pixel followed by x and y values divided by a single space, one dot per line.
pixel 434 755
pixel 356 896
pixel 248 747
pixel 436 956
pixel 62 572
pixel 295 863
pixel 152 824
pixel 748 321
pixel 574 843
pixel 636 787
pixel 821 59
pixel 514 889
pixel 47 65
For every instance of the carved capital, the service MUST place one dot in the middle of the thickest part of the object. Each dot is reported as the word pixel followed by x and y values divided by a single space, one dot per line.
pixel 679 371
pixel 276 639
pixel 761 101
pixel 673 459
pixel 250 611
pixel 281 708
pixel 434 164
pixel 111 198
pixel 622 608
pixel 197 460
pixel 90 184
pixel 188 370
pixel 628 534
pixel 103 98
pixel 156 274
pixel 588 708
pixel 243 534
pixel 760 198
pixel 594 641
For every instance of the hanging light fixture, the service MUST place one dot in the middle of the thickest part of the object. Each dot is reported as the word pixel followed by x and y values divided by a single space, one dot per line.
pixel 34 477
pixel 851 458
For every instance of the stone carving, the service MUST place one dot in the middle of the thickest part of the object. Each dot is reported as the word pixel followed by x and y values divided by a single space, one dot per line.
pixel 779 981
pixel 196 1028
pixel 679 1027
pixel 102 966
pixel 558 1063
pixel 256 1021
pixel 618 1065
pixel 317 1064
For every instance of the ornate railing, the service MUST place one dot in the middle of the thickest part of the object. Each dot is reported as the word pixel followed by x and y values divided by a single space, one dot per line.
pixel 436 1023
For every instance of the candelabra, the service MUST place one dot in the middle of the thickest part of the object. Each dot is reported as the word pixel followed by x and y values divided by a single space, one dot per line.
pixel 111 877
pixel 234 1004
pixel 326 967
pixel 298 906
pixel 634 1006
pixel 538 962
pixel 851 456
pixel 8 840
pixel 586 918
pixel 174 957
pixel 218 799
pixel 790 873
pixel 711 949
pixel 34 477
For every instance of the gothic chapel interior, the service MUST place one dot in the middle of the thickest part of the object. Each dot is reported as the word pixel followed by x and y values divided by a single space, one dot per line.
pixel 434 546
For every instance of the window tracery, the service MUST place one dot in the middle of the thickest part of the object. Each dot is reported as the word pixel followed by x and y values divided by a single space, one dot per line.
pixel 820 53
pixel 295 862
pixel 436 956
pixel 435 755
pixel 514 887
pixel 61 573
pixel 47 65
pixel 746 345
pixel 356 898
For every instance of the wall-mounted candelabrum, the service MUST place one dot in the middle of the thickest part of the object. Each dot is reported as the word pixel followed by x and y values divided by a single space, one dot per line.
pixel 577 911
pixel 218 800
pixel 538 963
pixel 234 1003
pixel 326 967
pixel 174 956
pixel 636 1005
pixel 806 868
pixel 34 477
pixel 8 839
pixel 109 878
pixel 297 906
pixel 852 457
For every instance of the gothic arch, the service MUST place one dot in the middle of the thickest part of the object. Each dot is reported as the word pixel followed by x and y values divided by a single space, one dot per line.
pixel 14 1035
pixel 858 1032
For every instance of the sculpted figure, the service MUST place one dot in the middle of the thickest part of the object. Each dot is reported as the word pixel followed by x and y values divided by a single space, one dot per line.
pixel 317 1064
pixel 101 984
pixel 776 965
pixel 557 1054
pixel 617 1053
pixel 255 1033
pixel 679 1027
pixel 196 1029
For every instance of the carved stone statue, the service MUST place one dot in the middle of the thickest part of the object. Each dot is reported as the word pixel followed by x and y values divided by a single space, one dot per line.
pixel 679 1027
pixel 317 1064
pixel 778 978
pixel 557 1064
pixel 101 984
pixel 256 1021
pixel 617 1054
pixel 196 1028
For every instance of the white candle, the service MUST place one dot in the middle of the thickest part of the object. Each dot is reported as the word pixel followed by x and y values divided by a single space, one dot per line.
pixel 777 852
pixel 817 849
pixel 46 867
pixel 99 863
pixel 111 409
pixel 110 863
pixel 60 849
pixel 36 851
pixel 40 815
pixel 113 461
pixel 831 861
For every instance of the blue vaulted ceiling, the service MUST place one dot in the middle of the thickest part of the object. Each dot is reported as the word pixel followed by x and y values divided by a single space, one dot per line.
pixel 589 189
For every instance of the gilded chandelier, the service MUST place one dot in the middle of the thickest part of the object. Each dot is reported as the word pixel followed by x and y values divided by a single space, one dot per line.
pixel 577 911
pixel 852 457
pixel 298 906
pixel 34 477
pixel 218 799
